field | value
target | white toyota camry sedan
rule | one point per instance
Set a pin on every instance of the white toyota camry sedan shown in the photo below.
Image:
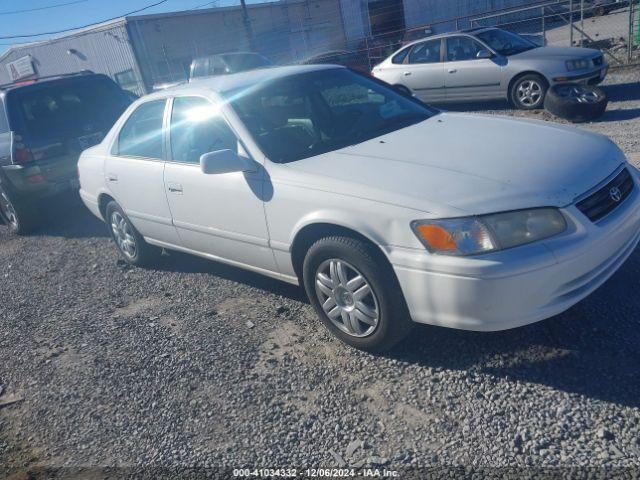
(387, 211)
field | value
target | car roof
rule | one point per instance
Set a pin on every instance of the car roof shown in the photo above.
(469, 32)
(30, 82)
(241, 80)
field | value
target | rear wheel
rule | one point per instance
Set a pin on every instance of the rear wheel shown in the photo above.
(528, 92)
(130, 243)
(355, 294)
(19, 217)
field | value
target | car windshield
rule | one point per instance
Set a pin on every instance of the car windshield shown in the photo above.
(239, 62)
(505, 43)
(316, 112)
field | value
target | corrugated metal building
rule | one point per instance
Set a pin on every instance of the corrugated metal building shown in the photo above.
(142, 51)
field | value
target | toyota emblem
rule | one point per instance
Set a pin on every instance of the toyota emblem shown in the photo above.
(615, 194)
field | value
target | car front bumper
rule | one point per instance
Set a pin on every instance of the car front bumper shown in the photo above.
(522, 285)
(591, 77)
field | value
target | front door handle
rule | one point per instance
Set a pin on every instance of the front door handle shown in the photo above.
(452, 70)
(406, 74)
(174, 187)
(112, 177)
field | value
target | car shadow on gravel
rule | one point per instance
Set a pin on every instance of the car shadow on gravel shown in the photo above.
(593, 349)
(66, 216)
(619, 115)
(185, 263)
(622, 92)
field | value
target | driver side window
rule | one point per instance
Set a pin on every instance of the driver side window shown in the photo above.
(197, 127)
(462, 48)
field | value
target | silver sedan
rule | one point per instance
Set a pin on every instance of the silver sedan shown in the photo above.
(488, 64)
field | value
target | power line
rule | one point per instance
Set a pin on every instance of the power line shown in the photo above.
(11, 12)
(8, 37)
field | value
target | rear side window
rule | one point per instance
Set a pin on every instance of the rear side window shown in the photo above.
(198, 128)
(67, 108)
(426, 52)
(4, 124)
(141, 135)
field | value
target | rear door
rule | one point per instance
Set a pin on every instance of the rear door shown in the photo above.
(466, 76)
(423, 72)
(135, 169)
(57, 120)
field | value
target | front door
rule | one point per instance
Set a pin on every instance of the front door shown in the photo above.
(466, 76)
(135, 171)
(220, 215)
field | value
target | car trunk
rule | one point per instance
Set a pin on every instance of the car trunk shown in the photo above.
(55, 121)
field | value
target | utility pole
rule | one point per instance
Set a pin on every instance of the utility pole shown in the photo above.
(247, 25)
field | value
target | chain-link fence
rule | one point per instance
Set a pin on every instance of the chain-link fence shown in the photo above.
(612, 26)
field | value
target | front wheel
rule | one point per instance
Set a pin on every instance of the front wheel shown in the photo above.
(130, 243)
(355, 294)
(528, 92)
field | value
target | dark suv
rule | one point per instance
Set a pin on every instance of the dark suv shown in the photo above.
(44, 126)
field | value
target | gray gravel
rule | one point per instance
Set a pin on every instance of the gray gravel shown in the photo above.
(196, 364)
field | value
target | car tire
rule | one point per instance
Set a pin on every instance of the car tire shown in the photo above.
(576, 103)
(528, 92)
(371, 311)
(131, 246)
(20, 218)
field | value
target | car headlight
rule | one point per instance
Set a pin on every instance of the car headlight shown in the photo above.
(488, 233)
(579, 64)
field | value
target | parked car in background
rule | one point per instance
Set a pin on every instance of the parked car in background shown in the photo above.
(604, 7)
(44, 125)
(355, 60)
(225, 63)
(385, 209)
(487, 64)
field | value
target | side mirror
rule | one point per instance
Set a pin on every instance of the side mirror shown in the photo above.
(224, 161)
(484, 54)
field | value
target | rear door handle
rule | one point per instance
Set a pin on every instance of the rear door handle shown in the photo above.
(406, 74)
(452, 70)
(174, 187)
(112, 177)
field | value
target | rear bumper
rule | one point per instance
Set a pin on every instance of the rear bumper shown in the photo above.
(522, 285)
(30, 181)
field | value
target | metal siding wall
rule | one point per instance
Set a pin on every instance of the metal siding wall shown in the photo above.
(423, 12)
(105, 51)
(283, 31)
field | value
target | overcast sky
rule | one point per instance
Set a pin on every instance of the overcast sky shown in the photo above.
(78, 13)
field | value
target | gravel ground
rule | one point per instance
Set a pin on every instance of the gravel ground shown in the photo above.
(195, 364)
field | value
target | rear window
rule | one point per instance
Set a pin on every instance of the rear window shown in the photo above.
(67, 108)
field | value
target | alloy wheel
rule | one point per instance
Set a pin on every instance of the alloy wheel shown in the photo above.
(529, 93)
(123, 235)
(8, 211)
(579, 94)
(347, 298)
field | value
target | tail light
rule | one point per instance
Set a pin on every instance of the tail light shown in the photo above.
(22, 155)
(19, 152)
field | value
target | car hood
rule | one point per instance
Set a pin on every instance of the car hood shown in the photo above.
(458, 164)
(558, 52)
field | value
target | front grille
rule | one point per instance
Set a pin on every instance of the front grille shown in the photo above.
(597, 62)
(602, 203)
